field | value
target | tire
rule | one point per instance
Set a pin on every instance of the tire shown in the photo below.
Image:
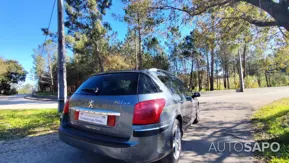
(176, 144)
(197, 119)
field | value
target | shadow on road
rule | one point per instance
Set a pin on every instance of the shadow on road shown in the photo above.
(214, 147)
(221, 123)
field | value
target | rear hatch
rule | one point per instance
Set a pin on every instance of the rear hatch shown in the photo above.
(104, 104)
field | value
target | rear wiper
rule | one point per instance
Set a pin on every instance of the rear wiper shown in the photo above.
(90, 90)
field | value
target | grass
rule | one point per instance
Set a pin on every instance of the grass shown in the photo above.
(271, 123)
(29, 122)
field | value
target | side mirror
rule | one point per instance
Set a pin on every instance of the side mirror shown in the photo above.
(196, 94)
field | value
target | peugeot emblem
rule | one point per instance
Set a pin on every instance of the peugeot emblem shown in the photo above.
(96, 90)
(90, 104)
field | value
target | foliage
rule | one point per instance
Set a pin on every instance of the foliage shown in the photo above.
(142, 20)
(251, 82)
(271, 124)
(206, 58)
(12, 73)
(276, 13)
(26, 122)
(25, 89)
(44, 66)
(86, 29)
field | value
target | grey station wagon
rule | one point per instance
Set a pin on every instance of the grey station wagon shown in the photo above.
(135, 116)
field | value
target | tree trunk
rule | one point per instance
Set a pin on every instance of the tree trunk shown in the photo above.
(219, 78)
(184, 65)
(176, 65)
(136, 56)
(267, 82)
(98, 57)
(212, 70)
(200, 80)
(199, 74)
(241, 74)
(139, 44)
(208, 71)
(234, 67)
(259, 81)
(191, 75)
(244, 60)
(228, 80)
(224, 79)
(100, 62)
(212, 56)
(50, 73)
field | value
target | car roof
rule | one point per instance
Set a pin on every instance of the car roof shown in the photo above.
(128, 71)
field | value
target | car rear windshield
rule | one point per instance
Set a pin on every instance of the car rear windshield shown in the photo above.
(110, 84)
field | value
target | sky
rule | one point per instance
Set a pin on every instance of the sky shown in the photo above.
(21, 23)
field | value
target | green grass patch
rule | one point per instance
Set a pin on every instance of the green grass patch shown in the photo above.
(271, 124)
(20, 123)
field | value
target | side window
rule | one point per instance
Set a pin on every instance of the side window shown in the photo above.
(183, 88)
(166, 81)
(179, 86)
(147, 85)
(171, 83)
(175, 85)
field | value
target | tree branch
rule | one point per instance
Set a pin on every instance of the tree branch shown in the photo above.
(279, 11)
(258, 23)
(192, 11)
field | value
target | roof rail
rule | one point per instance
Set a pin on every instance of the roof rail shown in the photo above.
(160, 70)
(153, 69)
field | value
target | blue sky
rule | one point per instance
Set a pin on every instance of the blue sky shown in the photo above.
(21, 21)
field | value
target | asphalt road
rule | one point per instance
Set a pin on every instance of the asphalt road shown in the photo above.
(19, 102)
(225, 118)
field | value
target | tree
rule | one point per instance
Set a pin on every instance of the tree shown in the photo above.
(154, 55)
(278, 11)
(13, 74)
(142, 20)
(86, 29)
(173, 40)
(44, 61)
(50, 49)
(189, 51)
(3, 69)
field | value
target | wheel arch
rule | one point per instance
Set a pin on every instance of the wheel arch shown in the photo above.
(180, 119)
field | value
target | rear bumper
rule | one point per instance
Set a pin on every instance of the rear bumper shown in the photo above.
(147, 147)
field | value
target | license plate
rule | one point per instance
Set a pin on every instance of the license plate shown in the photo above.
(93, 118)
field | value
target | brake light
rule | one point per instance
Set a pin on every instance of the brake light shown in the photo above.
(148, 112)
(111, 120)
(76, 115)
(66, 107)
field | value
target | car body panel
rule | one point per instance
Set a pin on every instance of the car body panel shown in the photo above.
(125, 141)
(106, 104)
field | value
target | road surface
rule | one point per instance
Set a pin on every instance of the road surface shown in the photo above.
(19, 102)
(225, 118)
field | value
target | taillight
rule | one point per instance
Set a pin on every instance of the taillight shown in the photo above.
(66, 107)
(148, 112)
(111, 120)
(76, 115)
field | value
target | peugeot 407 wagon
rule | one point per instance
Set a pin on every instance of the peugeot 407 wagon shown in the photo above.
(135, 116)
